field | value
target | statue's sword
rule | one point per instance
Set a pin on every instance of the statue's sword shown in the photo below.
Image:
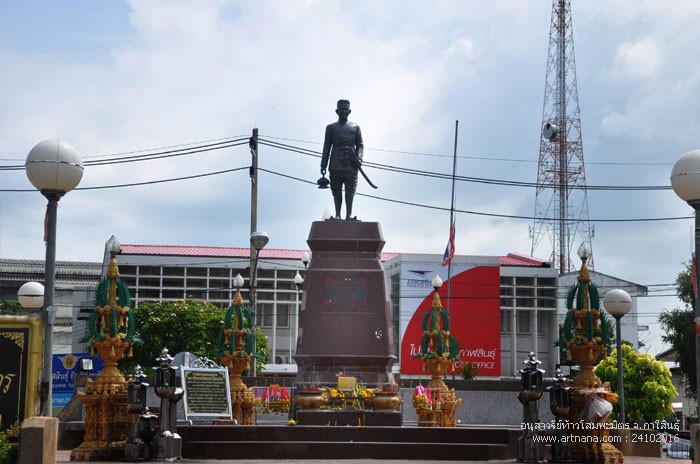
(359, 168)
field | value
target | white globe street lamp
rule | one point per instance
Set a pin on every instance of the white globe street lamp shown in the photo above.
(31, 296)
(54, 168)
(617, 302)
(685, 179)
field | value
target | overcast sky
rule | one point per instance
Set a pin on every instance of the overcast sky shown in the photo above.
(118, 77)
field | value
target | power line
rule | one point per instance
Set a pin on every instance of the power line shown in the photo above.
(481, 180)
(479, 158)
(391, 168)
(153, 156)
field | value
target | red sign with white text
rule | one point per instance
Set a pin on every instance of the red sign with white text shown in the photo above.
(474, 307)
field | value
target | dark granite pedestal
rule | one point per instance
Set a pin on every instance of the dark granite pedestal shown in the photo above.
(345, 321)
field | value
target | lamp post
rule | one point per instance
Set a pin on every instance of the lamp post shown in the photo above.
(258, 240)
(54, 168)
(298, 282)
(685, 179)
(618, 303)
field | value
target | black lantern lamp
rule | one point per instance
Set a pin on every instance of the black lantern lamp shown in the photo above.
(560, 405)
(559, 395)
(138, 446)
(531, 375)
(167, 444)
(165, 374)
(137, 392)
(530, 449)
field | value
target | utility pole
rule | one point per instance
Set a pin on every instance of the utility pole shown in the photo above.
(253, 144)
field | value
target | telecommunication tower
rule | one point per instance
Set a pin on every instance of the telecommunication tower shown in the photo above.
(561, 206)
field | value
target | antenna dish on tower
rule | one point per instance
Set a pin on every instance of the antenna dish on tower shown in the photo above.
(549, 131)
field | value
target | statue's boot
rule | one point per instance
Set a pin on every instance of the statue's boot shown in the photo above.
(338, 200)
(348, 207)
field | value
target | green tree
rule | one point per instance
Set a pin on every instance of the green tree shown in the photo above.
(188, 325)
(678, 328)
(10, 307)
(262, 347)
(649, 391)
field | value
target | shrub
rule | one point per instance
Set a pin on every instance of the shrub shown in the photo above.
(8, 451)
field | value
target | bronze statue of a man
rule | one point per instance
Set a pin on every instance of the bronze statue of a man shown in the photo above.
(342, 154)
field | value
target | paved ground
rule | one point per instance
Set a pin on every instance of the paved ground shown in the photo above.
(64, 456)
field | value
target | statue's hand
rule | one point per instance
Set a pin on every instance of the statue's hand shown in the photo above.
(323, 171)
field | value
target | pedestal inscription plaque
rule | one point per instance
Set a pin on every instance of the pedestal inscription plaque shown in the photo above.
(345, 322)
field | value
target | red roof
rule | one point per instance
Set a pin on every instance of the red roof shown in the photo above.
(209, 251)
(517, 259)
(512, 259)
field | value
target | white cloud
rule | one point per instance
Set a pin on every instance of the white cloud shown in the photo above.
(637, 60)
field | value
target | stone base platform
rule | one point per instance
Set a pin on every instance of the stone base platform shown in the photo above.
(323, 442)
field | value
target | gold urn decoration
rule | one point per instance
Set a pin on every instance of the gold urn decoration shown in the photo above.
(585, 335)
(111, 333)
(439, 350)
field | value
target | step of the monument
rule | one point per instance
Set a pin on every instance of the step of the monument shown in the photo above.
(324, 442)
(347, 433)
(345, 450)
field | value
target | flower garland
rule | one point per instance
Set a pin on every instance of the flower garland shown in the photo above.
(272, 400)
(422, 400)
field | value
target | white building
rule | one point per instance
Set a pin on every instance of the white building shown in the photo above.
(521, 291)
(502, 307)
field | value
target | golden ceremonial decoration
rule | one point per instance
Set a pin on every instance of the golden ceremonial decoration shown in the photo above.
(585, 335)
(111, 334)
(235, 352)
(437, 404)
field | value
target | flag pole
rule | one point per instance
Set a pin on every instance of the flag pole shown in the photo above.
(452, 219)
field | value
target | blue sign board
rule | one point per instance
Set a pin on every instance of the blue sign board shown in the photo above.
(65, 368)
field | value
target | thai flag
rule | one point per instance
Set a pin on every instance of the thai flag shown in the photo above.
(450, 248)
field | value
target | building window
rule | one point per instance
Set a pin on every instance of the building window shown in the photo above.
(196, 272)
(525, 281)
(149, 281)
(268, 315)
(218, 272)
(286, 296)
(265, 310)
(283, 315)
(523, 322)
(173, 271)
(194, 294)
(149, 270)
(149, 294)
(540, 323)
(216, 295)
(172, 294)
(505, 322)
